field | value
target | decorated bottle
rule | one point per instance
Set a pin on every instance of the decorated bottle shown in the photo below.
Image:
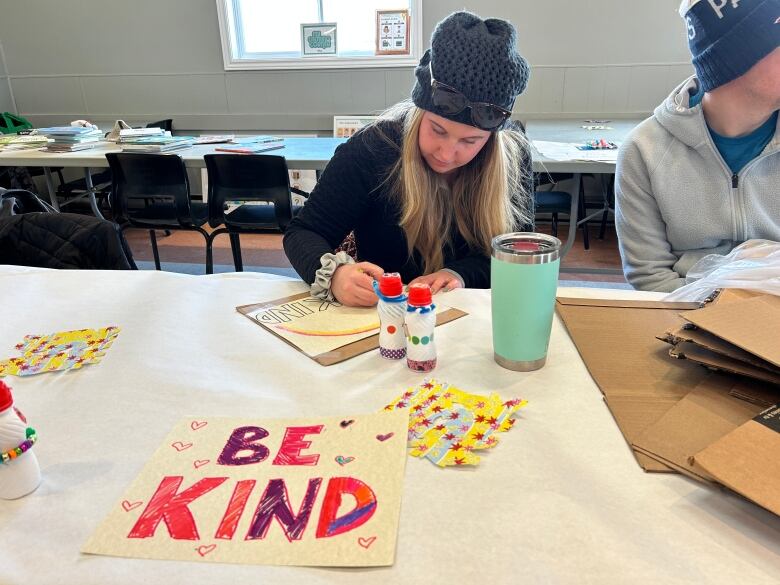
(392, 312)
(19, 471)
(420, 323)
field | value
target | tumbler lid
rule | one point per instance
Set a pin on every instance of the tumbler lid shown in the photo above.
(420, 295)
(390, 284)
(526, 248)
(6, 400)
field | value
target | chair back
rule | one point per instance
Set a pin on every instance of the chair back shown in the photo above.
(63, 240)
(249, 178)
(141, 177)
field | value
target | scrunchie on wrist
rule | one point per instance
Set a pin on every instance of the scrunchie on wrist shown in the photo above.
(320, 288)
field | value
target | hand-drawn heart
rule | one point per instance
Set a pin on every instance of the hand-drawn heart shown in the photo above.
(384, 437)
(205, 549)
(341, 460)
(127, 506)
(345, 423)
(366, 542)
(200, 462)
(179, 446)
(198, 424)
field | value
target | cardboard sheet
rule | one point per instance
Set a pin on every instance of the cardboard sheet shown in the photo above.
(704, 415)
(616, 340)
(274, 492)
(751, 324)
(688, 350)
(345, 333)
(746, 459)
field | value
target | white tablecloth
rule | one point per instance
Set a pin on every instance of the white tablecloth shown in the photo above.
(560, 500)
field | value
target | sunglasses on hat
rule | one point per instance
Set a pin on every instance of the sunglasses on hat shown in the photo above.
(449, 101)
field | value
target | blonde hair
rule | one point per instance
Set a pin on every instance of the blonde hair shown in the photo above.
(488, 196)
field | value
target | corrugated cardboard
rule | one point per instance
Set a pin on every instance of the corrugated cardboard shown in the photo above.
(347, 351)
(704, 356)
(616, 340)
(714, 343)
(674, 412)
(746, 459)
(704, 415)
(751, 324)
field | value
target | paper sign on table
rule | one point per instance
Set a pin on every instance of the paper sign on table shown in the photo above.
(447, 425)
(324, 492)
(67, 350)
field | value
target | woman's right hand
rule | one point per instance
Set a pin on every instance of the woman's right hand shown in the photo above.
(353, 284)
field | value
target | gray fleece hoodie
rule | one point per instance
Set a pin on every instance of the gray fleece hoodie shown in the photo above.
(678, 201)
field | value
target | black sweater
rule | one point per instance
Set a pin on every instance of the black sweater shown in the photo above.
(352, 195)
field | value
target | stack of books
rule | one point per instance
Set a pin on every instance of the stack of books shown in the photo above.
(71, 138)
(252, 144)
(23, 142)
(152, 140)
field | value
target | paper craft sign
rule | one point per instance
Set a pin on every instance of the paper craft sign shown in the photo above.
(323, 492)
(68, 350)
(447, 425)
(316, 326)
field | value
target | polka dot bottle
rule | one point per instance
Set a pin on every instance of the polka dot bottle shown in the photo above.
(420, 323)
(392, 310)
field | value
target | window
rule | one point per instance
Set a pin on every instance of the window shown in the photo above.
(266, 34)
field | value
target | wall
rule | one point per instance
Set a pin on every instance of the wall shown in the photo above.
(153, 59)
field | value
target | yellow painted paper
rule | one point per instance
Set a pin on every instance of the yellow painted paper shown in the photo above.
(447, 425)
(317, 491)
(67, 350)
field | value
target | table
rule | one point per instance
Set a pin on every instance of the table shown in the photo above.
(309, 153)
(572, 131)
(560, 500)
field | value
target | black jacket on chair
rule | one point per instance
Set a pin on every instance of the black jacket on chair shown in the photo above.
(63, 240)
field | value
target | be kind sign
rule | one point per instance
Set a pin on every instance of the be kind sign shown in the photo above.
(294, 492)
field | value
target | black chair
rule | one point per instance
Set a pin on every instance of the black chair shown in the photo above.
(553, 202)
(101, 181)
(237, 183)
(152, 191)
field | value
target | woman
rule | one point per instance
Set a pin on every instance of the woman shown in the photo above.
(426, 187)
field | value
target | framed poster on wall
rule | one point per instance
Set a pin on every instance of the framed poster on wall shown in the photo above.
(318, 38)
(392, 32)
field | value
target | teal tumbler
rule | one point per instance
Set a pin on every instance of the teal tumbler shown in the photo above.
(523, 281)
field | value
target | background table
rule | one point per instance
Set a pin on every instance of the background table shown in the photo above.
(559, 500)
(572, 131)
(301, 153)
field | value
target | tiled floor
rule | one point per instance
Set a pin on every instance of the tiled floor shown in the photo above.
(185, 247)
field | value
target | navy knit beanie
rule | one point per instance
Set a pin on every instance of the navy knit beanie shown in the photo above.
(477, 57)
(728, 37)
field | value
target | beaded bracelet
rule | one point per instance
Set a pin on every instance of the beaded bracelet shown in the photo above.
(24, 446)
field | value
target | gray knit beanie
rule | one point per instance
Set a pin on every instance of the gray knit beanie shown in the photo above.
(477, 57)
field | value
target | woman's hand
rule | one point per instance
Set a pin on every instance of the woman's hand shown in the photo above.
(439, 281)
(353, 284)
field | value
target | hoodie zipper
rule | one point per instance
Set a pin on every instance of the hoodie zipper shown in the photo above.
(739, 209)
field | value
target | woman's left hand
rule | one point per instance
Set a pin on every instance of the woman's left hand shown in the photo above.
(439, 281)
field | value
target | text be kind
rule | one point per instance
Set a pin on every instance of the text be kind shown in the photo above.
(170, 502)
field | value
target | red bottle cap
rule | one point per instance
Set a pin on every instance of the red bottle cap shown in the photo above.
(390, 284)
(420, 295)
(6, 400)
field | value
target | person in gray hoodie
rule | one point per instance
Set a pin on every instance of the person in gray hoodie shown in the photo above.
(702, 175)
